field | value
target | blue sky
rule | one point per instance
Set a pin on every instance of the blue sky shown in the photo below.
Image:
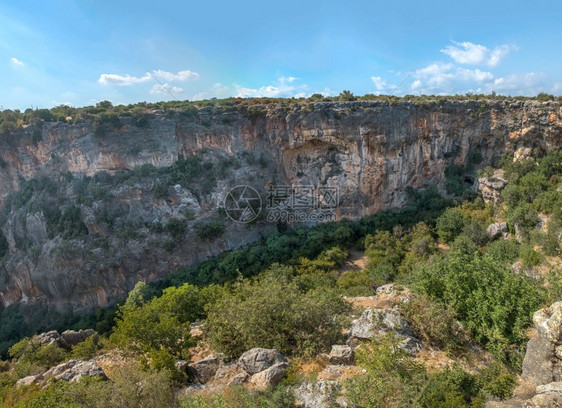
(81, 52)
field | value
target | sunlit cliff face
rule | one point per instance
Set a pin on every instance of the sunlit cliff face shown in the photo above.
(370, 151)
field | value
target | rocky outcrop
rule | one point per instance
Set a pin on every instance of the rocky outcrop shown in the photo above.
(67, 339)
(259, 359)
(370, 151)
(70, 371)
(321, 394)
(491, 186)
(205, 369)
(542, 365)
(271, 376)
(341, 354)
(497, 229)
(376, 323)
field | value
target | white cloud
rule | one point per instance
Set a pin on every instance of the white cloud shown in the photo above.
(380, 84)
(16, 62)
(128, 80)
(181, 76)
(447, 78)
(284, 87)
(475, 54)
(165, 89)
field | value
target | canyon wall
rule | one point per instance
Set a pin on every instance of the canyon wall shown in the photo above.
(370, 151)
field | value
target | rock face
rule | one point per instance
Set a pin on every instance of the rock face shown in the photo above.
(496, 229)
(67, 339)
(271, 376)
(542, 365)
(71, 371)
(371, 151)
(490, 187)
(316, 395)
(205, 369)
(341, 354)
(376, 323)
(259, 359)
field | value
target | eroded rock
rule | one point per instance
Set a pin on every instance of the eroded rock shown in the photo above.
(271, 376)
(259, 359)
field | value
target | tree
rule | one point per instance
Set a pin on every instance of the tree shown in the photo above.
(346, 96)
(271, 312)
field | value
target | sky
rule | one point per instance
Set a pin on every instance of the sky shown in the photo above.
(81, 52)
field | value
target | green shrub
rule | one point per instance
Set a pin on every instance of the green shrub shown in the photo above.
(450, 224)
(238, 397)
(213, 229)
(271, 312)
(435, 325)
(492, 302)
(392, 379)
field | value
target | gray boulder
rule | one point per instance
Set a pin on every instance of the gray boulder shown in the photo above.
(376, 323)
(75, 370)
(316, 395)
(50, 337)
(30, 379)
(271, 376)
(239, 379)
(538, 362)
(204, 370)
(496, 229)
(341, 354)
(72, 337)
(258, 359)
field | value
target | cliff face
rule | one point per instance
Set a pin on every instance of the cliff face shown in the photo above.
(370, 151)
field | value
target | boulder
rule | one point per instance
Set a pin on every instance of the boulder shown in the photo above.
(50, 337)
(341, 354)
(496, 229)
(204, 370)
(548, 322)
(30, 379)
(271, 376)
(259, 359)
(239, 379)
(316, 395)
(376, 323)
(537, 364)
(72, 337)
(182, 366)
(75, 370)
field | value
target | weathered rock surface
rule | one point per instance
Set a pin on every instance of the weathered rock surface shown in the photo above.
(259, 359)
(205, 369)
(271, 376)
(371, 151)
(72, 337)
(496, 229)
(490, 187)
(376, 323)
(75, 370)
(341, 354)
(316, 395)
(542, 368)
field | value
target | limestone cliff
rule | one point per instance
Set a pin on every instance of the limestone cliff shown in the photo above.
(370, 151)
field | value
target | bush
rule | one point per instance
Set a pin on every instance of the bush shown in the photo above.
(238, 397)
(434, 324)
(392, 379)
(450, 224)
(271, 312)
(493, 303)
(211, 230)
